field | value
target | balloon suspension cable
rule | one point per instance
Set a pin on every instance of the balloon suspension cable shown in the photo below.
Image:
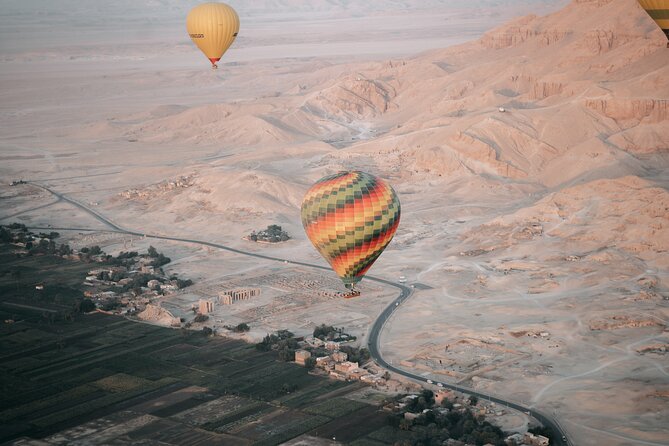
(214, 66)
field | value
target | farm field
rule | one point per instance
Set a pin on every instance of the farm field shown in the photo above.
(101, 379)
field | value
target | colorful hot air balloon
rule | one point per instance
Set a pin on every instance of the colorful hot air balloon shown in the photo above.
(350, 217)
(658, 10)
(213, 27)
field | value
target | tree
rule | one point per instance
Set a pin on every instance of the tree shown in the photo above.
(310, 363)
(16, 275)
(201, 318)
(207, 331)
(183, 283)
(86, 306)
(5, 235)
(405, 424)
(447, 404)
(241, 328)
(20, 226)
(323, 331)
(95, 250)
(287, 355)
(473, 400)
(152, 252)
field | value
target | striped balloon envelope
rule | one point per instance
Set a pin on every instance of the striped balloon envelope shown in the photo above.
(350, 217)
(658, 10)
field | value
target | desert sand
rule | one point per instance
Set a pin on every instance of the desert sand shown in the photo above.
(530, 155)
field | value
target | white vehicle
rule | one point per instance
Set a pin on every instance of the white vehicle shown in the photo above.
(402, 279)
(440, 385)
(397, 303)
(429, 381)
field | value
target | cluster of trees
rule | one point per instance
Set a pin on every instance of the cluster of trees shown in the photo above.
(283, 342)
(51, 235)
(182, 283)
(94, 250)
(331, 333)
(201, 318)
(239, 328)
(35, 244)
(5, 235)
(123, 259)
(326, 332)
(355, 354)
(273, 234)
(159, 259)
(84, 306)
(433, 427)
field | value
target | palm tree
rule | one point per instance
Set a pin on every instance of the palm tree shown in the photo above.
(16, 274)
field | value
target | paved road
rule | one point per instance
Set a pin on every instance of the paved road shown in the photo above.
(377, 326)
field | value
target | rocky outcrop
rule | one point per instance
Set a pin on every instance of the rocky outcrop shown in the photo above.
(648, 110)
(521, 31)
(542, 90)
(477, 151)
(354, 98)
(619, 322)
(159, 316)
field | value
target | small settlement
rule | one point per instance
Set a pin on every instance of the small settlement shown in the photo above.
(129, 287)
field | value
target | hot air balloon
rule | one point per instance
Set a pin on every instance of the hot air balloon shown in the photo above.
(213, 27)
(350, 217)
(658, 10)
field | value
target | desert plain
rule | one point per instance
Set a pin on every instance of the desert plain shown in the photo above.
(528, 143)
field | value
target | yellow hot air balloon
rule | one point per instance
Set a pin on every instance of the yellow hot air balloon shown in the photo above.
(658, 10)
(213, 27)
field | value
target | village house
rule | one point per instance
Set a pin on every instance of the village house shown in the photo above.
(301, 356)
(536, 440)
(346, 366)
(332, 345)
(442, 394)
(338, 375)
(325, 363)
(357, 374)
(515, 440)
(339, 356)
(314, 342)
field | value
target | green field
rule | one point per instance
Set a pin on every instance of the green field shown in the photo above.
(129, 382)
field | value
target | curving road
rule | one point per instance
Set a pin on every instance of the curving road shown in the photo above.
(374, 333)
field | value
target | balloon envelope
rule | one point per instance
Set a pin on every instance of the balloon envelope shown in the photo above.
(350, 217)
(213, 27)
(658, 10)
